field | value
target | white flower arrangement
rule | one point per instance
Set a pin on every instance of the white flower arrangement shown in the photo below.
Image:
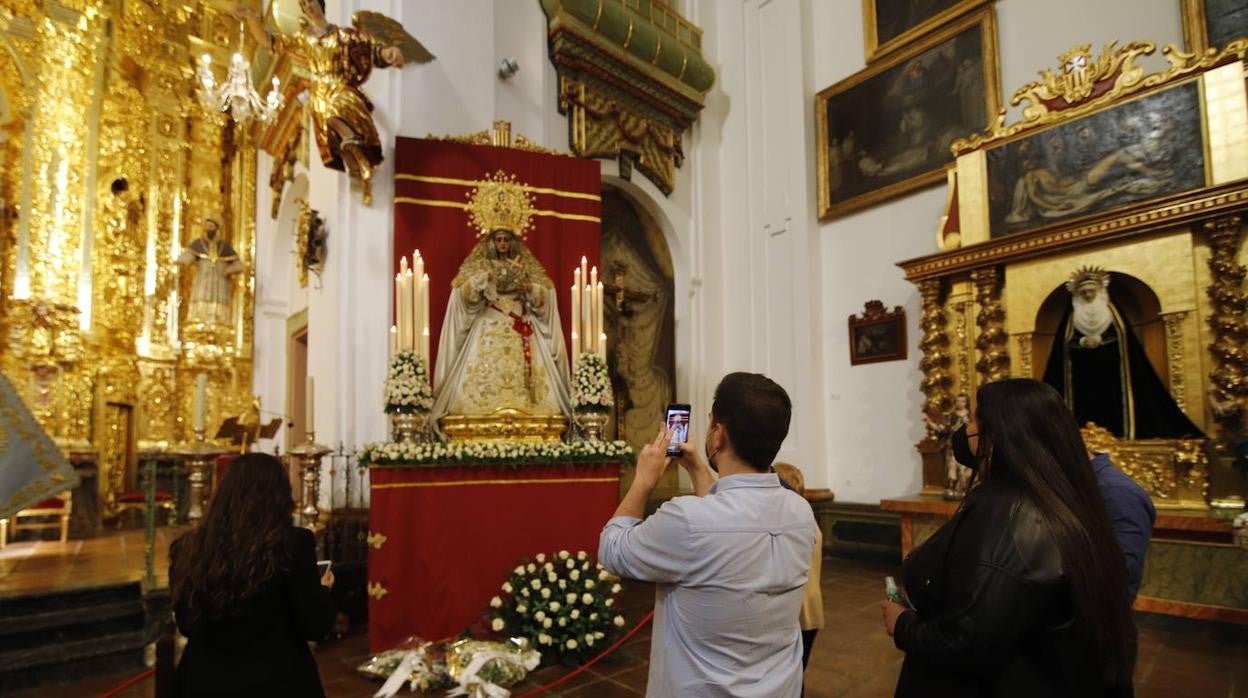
(412, 453)
(407, 384)
(569, 629)
(591, 384)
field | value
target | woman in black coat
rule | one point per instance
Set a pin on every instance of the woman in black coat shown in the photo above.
(1023, 592)
(247, 593)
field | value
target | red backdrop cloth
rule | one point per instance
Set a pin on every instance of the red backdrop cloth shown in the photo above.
(454, 533)
(433, 179)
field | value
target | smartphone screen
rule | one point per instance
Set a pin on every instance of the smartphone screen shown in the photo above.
(678, 424)
(322, 566)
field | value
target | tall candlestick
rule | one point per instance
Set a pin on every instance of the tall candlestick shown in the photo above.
(584, 269)
(598, 326)
(576, 314)
(394, 340)
(587, 323)
(309, 412)
(398, 309)
(409, 337)
(424, 313)
(424, 345)
(201, 395)
(418, 307)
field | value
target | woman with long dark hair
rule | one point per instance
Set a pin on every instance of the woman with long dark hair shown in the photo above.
(247, 593)
(1024, 591)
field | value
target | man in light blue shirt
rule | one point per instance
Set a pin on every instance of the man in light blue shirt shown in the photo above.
(730, 564)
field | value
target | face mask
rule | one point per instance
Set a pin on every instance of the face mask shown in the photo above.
(710, 455)
(961, 445)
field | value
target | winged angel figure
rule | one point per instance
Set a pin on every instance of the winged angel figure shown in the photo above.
(340, 60)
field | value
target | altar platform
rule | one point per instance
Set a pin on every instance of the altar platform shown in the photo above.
(443, 538)
(1193, 569)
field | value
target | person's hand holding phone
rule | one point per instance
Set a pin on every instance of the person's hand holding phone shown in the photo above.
(325, 567)
(653, 459)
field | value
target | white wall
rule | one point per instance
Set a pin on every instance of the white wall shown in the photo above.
(872, 413)
(761, 285)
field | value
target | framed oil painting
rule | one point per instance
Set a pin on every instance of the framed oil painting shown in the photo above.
(888, 129)
(877, 335)
(892, 24)
(1213, 23)
(1146, 148)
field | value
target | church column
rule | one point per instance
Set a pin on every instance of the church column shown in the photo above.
(1230, 329)
(992, 342)
(936, 380)
(934, 345)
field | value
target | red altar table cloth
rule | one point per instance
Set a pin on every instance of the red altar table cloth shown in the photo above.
(454, 533)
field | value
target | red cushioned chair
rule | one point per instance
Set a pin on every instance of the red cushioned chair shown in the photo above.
(135, 501)
(59, 506)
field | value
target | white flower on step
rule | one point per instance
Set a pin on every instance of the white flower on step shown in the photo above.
(618, 621)
(498, 625)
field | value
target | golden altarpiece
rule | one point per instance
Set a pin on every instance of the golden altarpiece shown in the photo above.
(1095, 177)
(111, 171)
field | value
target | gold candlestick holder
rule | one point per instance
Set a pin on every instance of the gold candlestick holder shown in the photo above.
(307, 457)
(198, 457)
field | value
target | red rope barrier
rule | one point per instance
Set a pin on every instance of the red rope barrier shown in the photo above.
(128, 683)
(641, 624)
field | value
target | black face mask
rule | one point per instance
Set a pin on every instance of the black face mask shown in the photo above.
(961, 445)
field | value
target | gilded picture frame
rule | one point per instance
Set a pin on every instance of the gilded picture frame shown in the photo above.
(1201, 31)
(893, 123)
(877, 334)
(903, 21)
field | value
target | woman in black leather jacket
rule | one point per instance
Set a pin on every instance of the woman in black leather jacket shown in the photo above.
(1023, 592)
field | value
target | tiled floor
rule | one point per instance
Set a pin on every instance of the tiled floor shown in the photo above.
(853, 657)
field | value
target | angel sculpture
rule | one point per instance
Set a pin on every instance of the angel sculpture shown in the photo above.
(340, 60)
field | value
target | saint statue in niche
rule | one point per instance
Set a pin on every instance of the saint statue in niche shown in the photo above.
(502, 341)
(1100, 367)
(214, 261)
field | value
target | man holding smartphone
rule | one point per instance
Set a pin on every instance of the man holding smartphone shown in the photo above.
(731, 562)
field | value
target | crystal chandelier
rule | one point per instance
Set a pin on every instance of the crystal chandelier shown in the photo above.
(237, 95)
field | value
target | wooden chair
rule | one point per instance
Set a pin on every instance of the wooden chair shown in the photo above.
(60, 506)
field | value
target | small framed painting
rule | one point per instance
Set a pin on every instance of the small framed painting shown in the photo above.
(877, 335)
(1213, 23)
(893, 24)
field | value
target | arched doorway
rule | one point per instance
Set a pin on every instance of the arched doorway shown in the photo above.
(640, 319)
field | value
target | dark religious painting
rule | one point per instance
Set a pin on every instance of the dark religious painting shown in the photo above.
(888, 129)
(1140, 150)
(1225, 20)
(891, 24)
(1214, 23)
(877, 334)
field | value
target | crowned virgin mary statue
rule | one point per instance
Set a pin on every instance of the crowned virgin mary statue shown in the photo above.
(502, 371)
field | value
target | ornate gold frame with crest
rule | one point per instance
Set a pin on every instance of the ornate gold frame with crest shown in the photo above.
(984, 21)
(876, 49)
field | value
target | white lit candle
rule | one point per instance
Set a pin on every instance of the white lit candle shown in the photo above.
(201, 395)
(424, 345)
(398, 309)
(587, 323)
(394, 340)
(309, 412)
(598, 326)
(576, 313)
(424, 314)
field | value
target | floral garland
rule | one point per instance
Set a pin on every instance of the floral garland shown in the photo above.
(564, 605)
(591, 384)
(409, 453)
(407, 385)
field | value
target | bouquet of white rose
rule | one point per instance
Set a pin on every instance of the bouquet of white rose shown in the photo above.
(591, 384)
(407, 385)
(564, 604)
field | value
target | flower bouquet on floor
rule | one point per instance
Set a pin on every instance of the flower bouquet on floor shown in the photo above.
(409, 396)
(564, 604)
(591, 395)
(420, 664)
